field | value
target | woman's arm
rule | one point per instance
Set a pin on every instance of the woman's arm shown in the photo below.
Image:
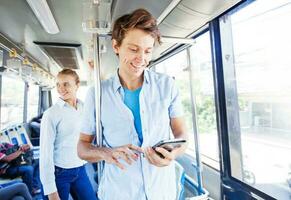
(46, 160)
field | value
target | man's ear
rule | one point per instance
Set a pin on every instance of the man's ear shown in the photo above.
(115, 46)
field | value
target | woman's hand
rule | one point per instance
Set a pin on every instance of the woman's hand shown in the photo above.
(155, 159)
(128, 153)
(54, 196)
(24, 148)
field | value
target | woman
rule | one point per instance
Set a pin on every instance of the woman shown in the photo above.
(61, 170)
(138, 108)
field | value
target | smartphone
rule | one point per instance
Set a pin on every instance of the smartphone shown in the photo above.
(171, 144)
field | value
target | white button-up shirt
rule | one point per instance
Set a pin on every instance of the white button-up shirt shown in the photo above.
(59, 135)
(159, 101)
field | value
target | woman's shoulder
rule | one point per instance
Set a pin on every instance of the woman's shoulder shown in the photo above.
(52, 111)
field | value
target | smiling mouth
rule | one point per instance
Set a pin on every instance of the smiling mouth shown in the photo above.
(63, 94)
(137, 67)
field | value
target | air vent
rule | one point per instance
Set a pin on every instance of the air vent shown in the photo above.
(66, 55)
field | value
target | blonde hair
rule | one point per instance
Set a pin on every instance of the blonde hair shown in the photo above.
(71, 73)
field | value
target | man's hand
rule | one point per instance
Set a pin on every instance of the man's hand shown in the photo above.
(128, 153)
(157, 160)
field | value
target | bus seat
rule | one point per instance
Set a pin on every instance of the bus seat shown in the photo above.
(26, 140)
(17, 135)
(4, 137)
(13, 136)
(23, 135)
(180, 180)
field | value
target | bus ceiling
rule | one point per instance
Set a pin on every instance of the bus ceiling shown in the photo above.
(62, 36)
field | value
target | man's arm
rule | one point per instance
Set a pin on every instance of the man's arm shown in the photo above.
(87, 151)
(179, 131)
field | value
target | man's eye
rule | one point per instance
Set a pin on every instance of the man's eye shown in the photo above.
(133, 50)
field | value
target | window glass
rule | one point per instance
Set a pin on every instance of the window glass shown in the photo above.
(32, 101)
(12, 101)
(55, 95)
(176, 67)
(82, 92)
(203, 92)
(259, 86)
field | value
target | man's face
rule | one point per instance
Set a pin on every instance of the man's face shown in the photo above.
(135, 52)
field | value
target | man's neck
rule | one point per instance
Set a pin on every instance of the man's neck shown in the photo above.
(129, 82)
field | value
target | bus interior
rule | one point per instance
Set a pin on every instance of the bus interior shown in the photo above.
(230, 60)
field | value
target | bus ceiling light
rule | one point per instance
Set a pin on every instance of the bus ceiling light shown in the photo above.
(44, 15)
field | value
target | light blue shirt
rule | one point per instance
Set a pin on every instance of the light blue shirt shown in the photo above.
(159, 101)
(59, 135)
(131, 100)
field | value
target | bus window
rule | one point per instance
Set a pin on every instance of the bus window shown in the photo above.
(258, 94)
(177, 67)
(32, 102)
(82, 92)
(55, 95)
(12, 101)
(203, 92)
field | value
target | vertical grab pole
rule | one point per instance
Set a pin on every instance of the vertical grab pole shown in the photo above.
(97, 81)
(195, 129)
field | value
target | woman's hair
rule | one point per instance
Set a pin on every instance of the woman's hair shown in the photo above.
(70, 73)
(138, 19)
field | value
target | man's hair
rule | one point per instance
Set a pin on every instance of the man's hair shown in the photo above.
(138, 19)
(71, 73)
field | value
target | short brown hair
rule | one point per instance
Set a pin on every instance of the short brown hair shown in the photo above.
(139, 19)
(71, 73)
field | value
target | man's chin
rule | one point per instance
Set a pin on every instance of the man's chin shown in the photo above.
(138, 71)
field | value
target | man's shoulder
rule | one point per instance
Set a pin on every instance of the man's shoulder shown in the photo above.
(159, 78)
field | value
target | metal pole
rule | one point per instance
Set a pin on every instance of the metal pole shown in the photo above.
(25, 102)
(0, 99)
(195, 129)
(97, 87)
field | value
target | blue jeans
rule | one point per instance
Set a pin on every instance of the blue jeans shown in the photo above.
(75, 180)
(28, 173)
(15, 191)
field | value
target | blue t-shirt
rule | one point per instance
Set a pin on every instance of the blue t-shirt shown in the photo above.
(131, 100)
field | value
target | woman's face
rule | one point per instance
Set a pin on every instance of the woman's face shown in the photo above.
(135, 52)
(67, 87)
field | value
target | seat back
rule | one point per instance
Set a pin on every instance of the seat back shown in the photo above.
(13, 136)
(180, 180)
(23, 135)
(4, 137)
